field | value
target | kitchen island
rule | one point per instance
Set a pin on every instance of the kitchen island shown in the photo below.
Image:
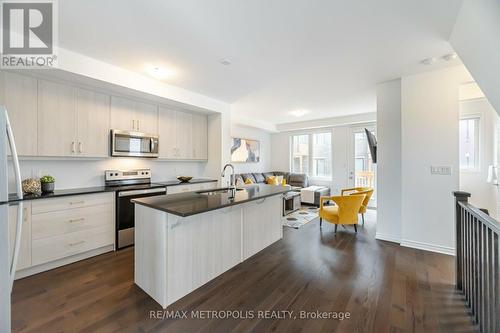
(182, 241)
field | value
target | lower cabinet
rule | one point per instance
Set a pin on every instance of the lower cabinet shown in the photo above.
(62, 230)
(190, 187)
(24, 258)
(261, 224)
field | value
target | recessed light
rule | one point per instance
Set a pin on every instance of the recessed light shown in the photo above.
(450, 57)
(429, 61)
(299, 113)
(225, 62)
(160, 73)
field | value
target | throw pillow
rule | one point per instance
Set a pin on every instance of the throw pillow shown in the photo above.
(248, 181)
(240, 182)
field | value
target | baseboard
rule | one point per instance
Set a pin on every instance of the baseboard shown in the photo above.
(387, 237)
(428, 247)
(62, 262)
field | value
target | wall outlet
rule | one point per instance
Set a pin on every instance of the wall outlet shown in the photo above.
(441, 170)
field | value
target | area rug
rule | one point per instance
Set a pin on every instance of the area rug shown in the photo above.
(300, 217)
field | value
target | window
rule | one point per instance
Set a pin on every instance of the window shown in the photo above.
(469, 143)
(312, 154)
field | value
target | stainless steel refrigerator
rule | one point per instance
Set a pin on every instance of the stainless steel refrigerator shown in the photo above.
(8, 252)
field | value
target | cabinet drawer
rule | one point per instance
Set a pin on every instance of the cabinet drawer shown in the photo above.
(57, 247)
(67, 221)
(70, 202)
(190, 187)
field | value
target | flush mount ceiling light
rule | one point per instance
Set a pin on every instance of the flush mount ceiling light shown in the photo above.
(429, 61)
(299, 113)
(450, 57)
(225, 62)
(160, 73)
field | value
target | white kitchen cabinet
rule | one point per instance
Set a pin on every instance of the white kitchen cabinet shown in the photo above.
(200, 137)
(261, 224)
(190, 187)
(168, 133)
(130, 115)
(93, 113)
(24, 258)
(183, 135)
(19, 95)
(56, 119)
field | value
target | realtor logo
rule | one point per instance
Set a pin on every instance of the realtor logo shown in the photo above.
(28, 34)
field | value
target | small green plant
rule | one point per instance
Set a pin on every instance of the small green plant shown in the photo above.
(47, 179)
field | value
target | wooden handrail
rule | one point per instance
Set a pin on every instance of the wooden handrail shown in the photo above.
(477, 262)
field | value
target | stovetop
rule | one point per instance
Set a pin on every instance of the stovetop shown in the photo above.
(134, 187)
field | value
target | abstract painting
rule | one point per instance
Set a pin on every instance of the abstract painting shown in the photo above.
(245, 150)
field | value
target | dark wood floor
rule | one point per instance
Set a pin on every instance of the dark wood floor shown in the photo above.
(384, 287)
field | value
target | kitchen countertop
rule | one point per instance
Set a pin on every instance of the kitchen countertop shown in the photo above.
(191, 203)
(97, 189)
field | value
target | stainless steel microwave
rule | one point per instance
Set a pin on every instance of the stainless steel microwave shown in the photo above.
(133, 144)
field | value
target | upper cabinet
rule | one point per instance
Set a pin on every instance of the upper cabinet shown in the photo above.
(130, 115)
(56, 119)
(93, 113)
(19, 95)
(183, 135)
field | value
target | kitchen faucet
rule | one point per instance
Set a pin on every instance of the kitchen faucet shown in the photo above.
(232, 182)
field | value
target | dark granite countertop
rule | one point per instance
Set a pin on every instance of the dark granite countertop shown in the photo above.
(98, 189)
(192, 203)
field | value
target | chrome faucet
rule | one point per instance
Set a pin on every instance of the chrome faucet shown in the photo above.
(232, 182)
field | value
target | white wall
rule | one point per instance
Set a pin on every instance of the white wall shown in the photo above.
(389, 161)
(475, 39)
(484, 195)
(246, 132)
(429, 128)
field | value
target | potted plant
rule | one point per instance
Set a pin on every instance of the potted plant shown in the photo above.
(47, 183)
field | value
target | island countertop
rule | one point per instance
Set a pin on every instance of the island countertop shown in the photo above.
(192, 203)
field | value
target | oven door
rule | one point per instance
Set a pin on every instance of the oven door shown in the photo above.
(133, 144)
(125, 213)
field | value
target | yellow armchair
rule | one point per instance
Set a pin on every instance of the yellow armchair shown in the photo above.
(345, 212)
(367, 191)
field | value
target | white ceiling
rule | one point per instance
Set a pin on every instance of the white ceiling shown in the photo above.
(324, 56)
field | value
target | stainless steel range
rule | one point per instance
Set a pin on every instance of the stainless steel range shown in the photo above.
(130, 184)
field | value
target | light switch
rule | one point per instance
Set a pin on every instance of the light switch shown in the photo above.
(441, 170)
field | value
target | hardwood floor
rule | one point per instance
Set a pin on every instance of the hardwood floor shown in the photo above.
(384, 288)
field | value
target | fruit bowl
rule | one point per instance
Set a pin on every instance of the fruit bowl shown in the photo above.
(184, 179)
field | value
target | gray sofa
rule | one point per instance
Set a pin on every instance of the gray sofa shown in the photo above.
(293, 179)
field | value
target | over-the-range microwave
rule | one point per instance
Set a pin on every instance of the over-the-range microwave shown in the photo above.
(133, 144)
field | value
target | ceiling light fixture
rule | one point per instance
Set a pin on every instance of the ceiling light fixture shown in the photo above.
(429, 61)
(299, 113)
(225, 62)
(450, 57)
(160, 73)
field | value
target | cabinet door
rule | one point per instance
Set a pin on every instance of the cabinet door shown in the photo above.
(168, 133)
(93, 112)
(24, 259)
(200, 137)
(56, 119)
(146, 116)
(19, 95)
(123, 114)
(184, 135)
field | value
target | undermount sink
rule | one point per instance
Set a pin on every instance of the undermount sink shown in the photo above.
(217, 191)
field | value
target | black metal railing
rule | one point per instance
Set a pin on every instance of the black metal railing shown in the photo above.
(477, 263)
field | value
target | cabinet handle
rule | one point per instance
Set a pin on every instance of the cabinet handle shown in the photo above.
(138, 125)
(77, 243)
(76, 220)
(25, 214)
(73, 146)
(77, 202)
(133, 124)
(80, 147)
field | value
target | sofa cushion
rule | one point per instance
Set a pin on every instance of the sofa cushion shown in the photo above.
(298, 179)
(268, 174)
(238, 180)
(259, 178)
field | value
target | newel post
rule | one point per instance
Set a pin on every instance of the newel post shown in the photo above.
(459, 197)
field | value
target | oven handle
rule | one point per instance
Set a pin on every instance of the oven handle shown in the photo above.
(139, 192)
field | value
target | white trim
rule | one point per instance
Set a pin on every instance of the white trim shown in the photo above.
(428, 247)
(388, 237)
(62, 262)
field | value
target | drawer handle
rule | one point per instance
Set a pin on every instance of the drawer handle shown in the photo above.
(76, 220)
(77, 202)
(77, 243)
